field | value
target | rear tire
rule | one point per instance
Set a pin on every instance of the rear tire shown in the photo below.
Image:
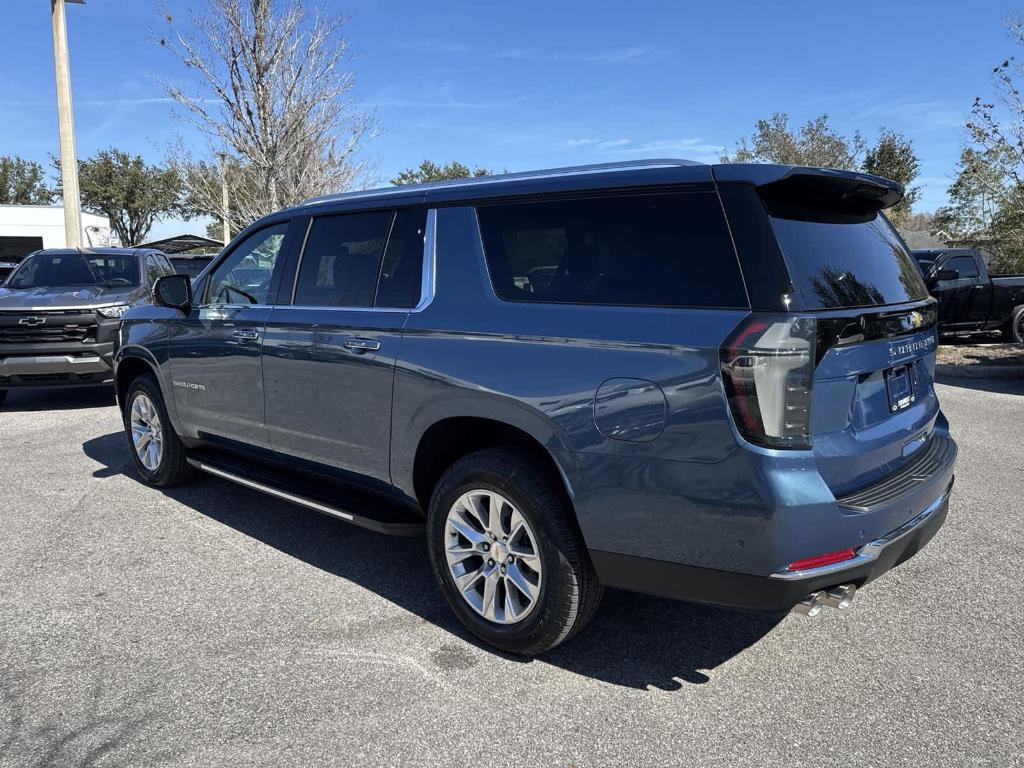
(1016, 330)
(160, 457)
(533, 542)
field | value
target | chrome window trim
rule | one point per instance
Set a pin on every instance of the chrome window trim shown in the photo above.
(870, 551)
(427, 282)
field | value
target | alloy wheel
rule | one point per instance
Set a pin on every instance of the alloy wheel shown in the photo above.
(147, 432)
(493, 556)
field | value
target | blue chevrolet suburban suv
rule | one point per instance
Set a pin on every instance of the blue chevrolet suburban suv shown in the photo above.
(712, 383)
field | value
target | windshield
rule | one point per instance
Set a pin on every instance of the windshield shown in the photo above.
(854, 261)
(47, 270)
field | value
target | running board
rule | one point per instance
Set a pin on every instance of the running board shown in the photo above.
(371, 519)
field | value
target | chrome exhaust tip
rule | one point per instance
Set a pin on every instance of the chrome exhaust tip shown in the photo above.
(811, 605)
(841, 597)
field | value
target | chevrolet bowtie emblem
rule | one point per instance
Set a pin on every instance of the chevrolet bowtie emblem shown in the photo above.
(913, 320)
(32, 321)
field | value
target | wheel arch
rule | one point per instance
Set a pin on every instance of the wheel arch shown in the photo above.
(449, 439)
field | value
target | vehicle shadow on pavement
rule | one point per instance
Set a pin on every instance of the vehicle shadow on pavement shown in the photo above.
(996, 386)
(24, 400)
(634, 640)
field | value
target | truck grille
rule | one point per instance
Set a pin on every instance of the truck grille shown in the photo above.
(60, 327)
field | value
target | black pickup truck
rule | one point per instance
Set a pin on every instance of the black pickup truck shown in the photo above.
(970, 299)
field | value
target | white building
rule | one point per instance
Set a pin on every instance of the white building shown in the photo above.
(27, 228)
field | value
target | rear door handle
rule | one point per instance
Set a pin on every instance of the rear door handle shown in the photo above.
(246, 334)
(362, 345)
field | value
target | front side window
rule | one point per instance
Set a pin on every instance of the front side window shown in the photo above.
(964, 266)
(244, 277)
(341, 262)
(154, 270)
(666, 250)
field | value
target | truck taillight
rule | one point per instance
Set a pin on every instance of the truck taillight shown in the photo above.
(768, 368)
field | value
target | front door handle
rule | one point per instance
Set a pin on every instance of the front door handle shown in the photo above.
(362, 345)
(246, 334)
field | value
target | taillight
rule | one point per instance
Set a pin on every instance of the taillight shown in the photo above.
(768, 368)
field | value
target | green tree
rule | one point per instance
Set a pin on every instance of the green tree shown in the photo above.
(130, 193)
(817, 143)
(22, 182)
(893, 157)
(429, 171)
(813, 143)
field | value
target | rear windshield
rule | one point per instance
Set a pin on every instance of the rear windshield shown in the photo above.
(44, 270)
(856, 261)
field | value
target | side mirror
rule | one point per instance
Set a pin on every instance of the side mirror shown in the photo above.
(174, 291)
(947, 274)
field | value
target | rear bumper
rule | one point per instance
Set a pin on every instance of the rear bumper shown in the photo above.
(779, 591)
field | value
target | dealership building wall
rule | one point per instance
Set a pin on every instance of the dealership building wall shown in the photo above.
(27, 228)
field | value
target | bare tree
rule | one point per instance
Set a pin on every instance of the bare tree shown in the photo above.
(986, 199)
(270, 89)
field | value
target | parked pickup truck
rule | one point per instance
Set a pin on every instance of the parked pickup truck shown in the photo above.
(711, 383)
(60, 310)
(970, 299)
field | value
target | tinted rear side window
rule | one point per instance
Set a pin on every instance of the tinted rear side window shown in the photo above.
(401, 274)
(846, 261)
(668, 250)
(341, 261)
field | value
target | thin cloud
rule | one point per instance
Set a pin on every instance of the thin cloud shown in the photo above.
(610, 56)
(694, 148)
(619, 55)
(599, 143)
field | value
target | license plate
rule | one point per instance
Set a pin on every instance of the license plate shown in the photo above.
(900, 385)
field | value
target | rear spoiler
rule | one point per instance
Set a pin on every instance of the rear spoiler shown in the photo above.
(846, 191)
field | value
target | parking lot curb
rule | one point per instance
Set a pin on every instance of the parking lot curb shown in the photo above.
(947, 371)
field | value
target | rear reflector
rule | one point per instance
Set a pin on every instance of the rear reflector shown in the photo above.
(819, 560)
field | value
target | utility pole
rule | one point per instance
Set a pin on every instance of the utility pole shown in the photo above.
(225, 211)
(65, 118)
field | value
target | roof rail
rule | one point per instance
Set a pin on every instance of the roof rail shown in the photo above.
(626, 165)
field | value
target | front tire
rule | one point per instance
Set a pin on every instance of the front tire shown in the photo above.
(506, 553)
(157, 451)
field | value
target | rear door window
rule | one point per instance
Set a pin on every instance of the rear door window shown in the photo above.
(666, 250)
(342, 259)
(837, 260)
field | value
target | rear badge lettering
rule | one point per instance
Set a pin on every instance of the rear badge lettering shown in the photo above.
(904, 348)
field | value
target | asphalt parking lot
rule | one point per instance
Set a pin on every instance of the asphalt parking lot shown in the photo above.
(211, 625)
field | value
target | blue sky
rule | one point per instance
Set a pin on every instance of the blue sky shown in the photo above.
(535, 84)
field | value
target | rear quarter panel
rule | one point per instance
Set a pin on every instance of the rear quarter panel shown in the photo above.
(538, 367)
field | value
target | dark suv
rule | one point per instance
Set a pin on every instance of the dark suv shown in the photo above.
(60, 309)
(712, 383)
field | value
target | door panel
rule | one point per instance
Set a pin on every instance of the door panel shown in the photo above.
(963, 301)
(214, 353)
(216, 372)
(329, 375)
